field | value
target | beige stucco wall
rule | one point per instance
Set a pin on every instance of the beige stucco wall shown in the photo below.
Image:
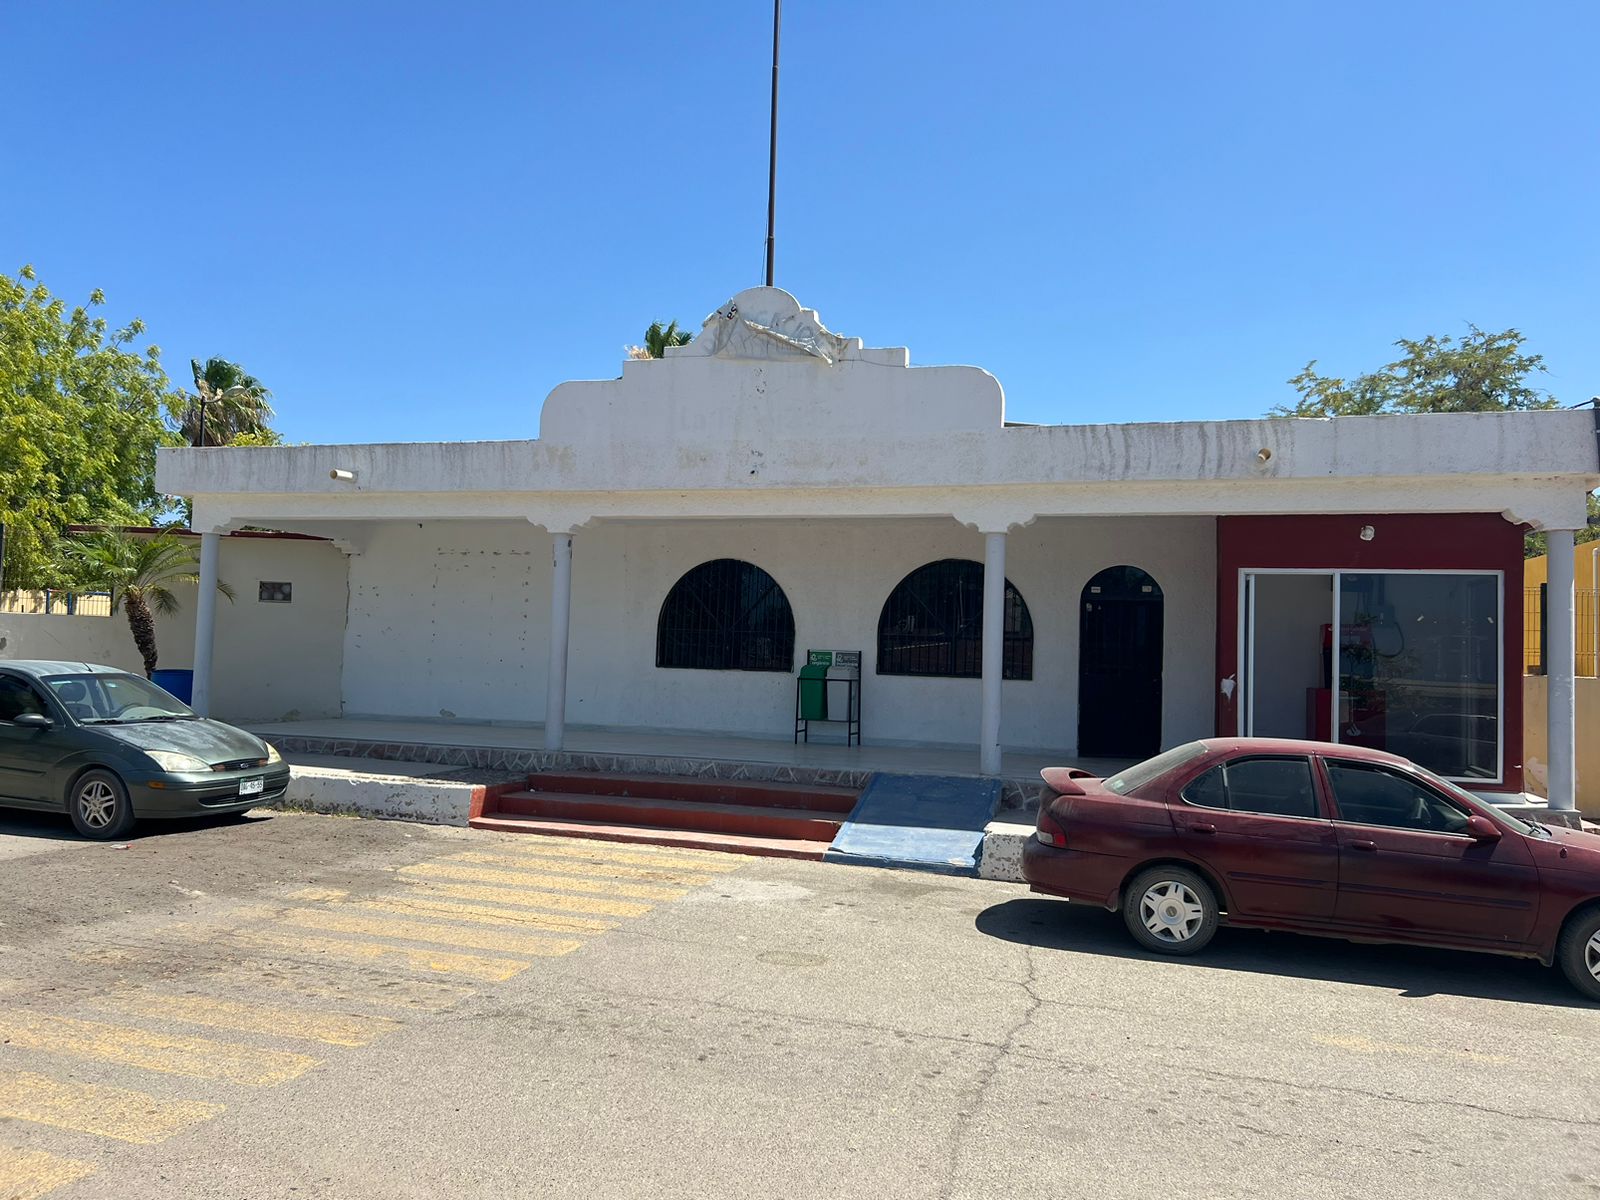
(1536, 740)
(273, 661)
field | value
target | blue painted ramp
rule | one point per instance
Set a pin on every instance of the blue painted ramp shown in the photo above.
(918, 822)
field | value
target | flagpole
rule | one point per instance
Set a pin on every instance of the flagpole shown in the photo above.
(772, 151)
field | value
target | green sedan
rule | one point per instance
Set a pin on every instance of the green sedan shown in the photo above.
(107, 747)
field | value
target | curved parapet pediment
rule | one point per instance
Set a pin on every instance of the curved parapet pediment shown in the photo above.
(766, 372)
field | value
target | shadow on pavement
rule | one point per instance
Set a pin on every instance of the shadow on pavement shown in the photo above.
(1411, 971)
(56, 827)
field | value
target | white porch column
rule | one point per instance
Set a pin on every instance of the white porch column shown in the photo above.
(205, 620)
(1562, 698)
(994, 629)
(555, 701)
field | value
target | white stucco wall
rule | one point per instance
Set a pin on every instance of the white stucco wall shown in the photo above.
(449, 619)
(272, 661)
(452, 619)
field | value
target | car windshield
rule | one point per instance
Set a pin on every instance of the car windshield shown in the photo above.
(1139, 774)
(106, 699)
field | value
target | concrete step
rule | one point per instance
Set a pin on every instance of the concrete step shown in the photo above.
(706, 791)
(762, 821)
(683, 839)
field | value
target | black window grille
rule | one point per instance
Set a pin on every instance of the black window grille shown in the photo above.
(726, 615)
(932, 624)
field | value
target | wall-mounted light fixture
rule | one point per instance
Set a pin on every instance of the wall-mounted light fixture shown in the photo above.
(342, 475)
(1368, 533)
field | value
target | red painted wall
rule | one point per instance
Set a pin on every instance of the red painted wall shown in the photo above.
(1443, 541)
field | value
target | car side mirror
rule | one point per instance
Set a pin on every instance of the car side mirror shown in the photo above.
(32, 721)
(1482, 829)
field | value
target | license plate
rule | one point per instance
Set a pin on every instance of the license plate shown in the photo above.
(251, 787)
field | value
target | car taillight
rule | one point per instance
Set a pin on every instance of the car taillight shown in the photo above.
(1050, 829)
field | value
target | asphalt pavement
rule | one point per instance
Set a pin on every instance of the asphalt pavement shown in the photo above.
(290, 1005)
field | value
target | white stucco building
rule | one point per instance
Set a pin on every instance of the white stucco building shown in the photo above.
(663, 555)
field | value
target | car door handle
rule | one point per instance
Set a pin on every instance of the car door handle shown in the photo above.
(1202, 827)
(1364, 845)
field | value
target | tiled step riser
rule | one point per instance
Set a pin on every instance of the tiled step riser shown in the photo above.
(702, 791)
(683, 840)
(641, 812)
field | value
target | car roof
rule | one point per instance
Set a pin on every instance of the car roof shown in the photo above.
(1258, 745)
(39, 668)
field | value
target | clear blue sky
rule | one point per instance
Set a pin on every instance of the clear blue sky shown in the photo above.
(412, 220)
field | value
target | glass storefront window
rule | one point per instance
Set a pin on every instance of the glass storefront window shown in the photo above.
(1419, 669)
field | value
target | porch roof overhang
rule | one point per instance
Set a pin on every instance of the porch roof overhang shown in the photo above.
(767, 413)
(1534, 467)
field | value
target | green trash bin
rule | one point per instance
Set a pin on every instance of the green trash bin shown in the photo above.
(814, 692)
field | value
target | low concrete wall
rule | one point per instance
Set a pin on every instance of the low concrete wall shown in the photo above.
(1001, 857)
(430, 801)
(1536, 740)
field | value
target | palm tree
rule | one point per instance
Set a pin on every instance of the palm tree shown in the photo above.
(657, 338)
(230, 405)
(139, 572)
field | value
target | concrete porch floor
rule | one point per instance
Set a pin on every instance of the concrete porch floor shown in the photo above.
(521, 747)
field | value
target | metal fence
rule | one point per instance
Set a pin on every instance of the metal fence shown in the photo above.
(1586, 632)
(53, 603)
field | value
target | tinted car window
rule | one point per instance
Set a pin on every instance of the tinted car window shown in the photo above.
(17, 698)
(1279, 787)
(1373, 795)
(1140, 774)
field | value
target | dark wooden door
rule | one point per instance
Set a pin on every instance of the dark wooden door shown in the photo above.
(1119, 665)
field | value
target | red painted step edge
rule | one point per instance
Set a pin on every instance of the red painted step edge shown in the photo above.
(749, 821)
(750, 792)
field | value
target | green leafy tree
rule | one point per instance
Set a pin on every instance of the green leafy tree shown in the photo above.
(657, 338)
(80, 420)
(231, 403)
(1482, 372)
(139, 571)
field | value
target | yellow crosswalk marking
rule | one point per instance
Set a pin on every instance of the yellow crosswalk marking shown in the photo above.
(420, 931)
(489, 970)
(423, 906)
(523, 897)
(603, 870)
(112, 1112)
(318, 982)
(562, 883)
(198, 1058)
(336, 1029)
(319, 893)
(634, 854)
(29, 1174)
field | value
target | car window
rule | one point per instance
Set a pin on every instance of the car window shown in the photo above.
(116, 699)
(1279, 787)
(1368, 794)
(16, 698)
(1140, 774)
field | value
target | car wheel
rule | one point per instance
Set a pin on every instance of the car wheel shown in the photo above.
(1171, 910)
(99, 806)
(1578, 952)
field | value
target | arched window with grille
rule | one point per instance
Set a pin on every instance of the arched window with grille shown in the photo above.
(932, 624)
(726, 615)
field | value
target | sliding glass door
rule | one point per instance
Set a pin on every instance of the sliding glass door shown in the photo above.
(1411, 662)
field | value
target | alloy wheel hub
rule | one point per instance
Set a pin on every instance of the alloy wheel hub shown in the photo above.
(97, 803)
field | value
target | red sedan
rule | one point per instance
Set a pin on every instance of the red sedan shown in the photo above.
(1315, 838)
